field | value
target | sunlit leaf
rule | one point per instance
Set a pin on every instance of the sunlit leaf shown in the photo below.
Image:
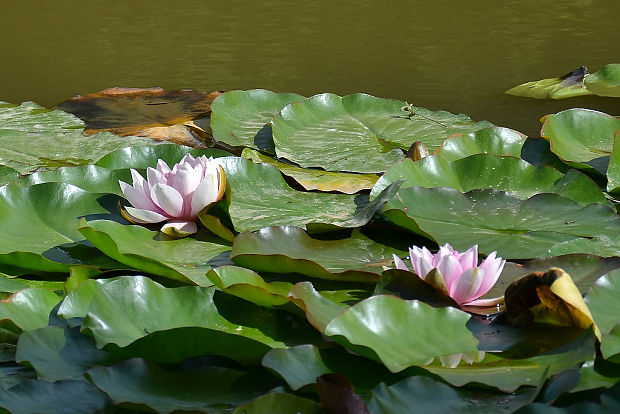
(317, 179)
(567, 86)
(186, 260)
(497, 221)
(508, 174)
(605, 81)
(492, 140)
(613, 170)
(359, 132)
(582, 137)
(287, 249)
(28, 309)
(242, 118)
(32, 137)
(370, 322)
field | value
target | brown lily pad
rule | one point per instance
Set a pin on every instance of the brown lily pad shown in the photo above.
(147, 112)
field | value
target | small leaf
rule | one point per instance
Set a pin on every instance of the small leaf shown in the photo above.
(566, 86)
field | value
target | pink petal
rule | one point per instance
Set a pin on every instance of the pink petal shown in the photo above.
(464, 288)
(155, 177)
(469, 259)
(492, 270)
(184, 179)
(399, 263)
(450, 269)
(421, 260)
(168, 199)
(146, 216)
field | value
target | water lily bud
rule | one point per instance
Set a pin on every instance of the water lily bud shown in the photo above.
(175, 195)
(464, 280)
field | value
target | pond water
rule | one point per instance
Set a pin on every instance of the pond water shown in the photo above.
(441, 54)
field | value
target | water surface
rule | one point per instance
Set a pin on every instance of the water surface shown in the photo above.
(441, 54)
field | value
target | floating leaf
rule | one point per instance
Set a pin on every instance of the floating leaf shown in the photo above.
(301, 365)
(602, 299)
(508, 174)
(32, 137)
(597, 374)
(60, 354)
(242, 118)
(359, 132)
(493, 140)
(60, 397)
(289, 249)
(613, 170)
(279, 403)
(141, 111)
(320, 311)
(248, 285)
(202, 389)
(260, 197)
(497, 221)
(369, 322)
(422, 394)
(582, 137)
(315, 179)
(550, 298)
(28, 309)
(605, 81)
(7, 175)
(197, 321)
(187, 260)
(566, 86)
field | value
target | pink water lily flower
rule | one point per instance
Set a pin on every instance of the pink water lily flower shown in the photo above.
(174, 195)
(465, 281)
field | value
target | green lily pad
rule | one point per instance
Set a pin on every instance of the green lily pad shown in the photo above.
(493, 140)
(301, 365)
(315, 179)
(242, 118)
(567, 86)
(143, 157)
(604, 304)
(534, 371)
(88, 177)
(605, 81)
(60, 397)
(203, 389)
(289, 249)
(369, 322)
(359, 132)
(7, 175)
(497, 221)
(196, 321)
(319, 310)
(281, 404)
(259, 197)
(187, 260)
(32, 137)
(28, 309)
(581, 137)
(613, 170)
(60, 354)
(35, 219)
(425, 395)
(597, 374)
(248, 285)
(508, 174)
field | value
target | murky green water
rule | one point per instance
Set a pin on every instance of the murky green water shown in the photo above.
(442, 54)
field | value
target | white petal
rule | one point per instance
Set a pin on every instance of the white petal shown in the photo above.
(179, 228)
(464, 288)
(475, 356)
(206, 193)
(399, 263)
(146, 216)
(137, 197)
(162, 167)
(168, 199)
(421, 260)
(450, 361)
(155, 177)
(185, 180)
